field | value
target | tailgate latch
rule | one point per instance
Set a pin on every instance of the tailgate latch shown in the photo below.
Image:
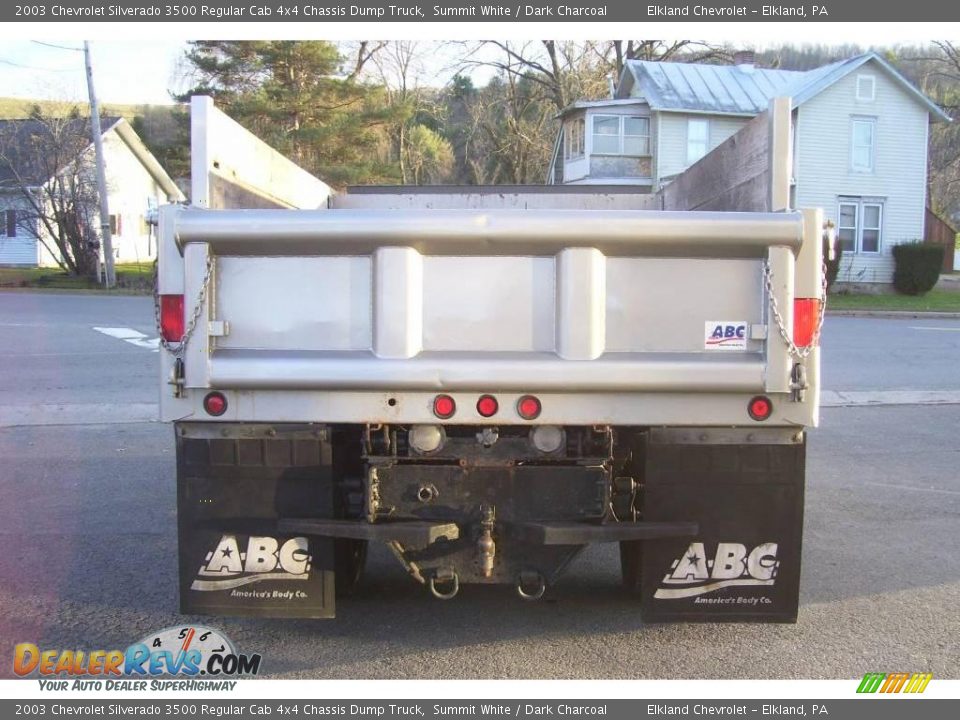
(176, 377)
(798, 382)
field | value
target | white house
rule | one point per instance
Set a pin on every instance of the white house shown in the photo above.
(860, 141)
(136, 184)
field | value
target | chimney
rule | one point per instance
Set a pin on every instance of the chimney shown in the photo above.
(744, 59)
(611, 86)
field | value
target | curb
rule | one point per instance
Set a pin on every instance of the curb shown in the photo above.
(896, 314)
(887, 398)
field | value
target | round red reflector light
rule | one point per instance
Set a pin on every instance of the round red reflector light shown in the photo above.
(760, 408)
(529, 407)
(215, 404)
(487, 405)
(444, 407)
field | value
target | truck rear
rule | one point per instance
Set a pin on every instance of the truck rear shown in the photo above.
(487, 391)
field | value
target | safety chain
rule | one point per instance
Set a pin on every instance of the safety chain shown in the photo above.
(178, 348)
(800, 354)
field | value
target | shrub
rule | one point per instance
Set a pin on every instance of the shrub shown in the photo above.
(917, 267)
(832, 266)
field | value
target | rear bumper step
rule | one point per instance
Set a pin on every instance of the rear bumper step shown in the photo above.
(420, 534)
(414, 533)
(578, 533)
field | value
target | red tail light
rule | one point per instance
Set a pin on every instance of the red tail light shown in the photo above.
(215, 404)
(760, 408)
(806, 312)
(529, 407)
(171, 317)
(444, 406)
(487, 405)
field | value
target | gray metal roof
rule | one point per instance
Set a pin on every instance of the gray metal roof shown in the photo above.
(731, 89)
(745, 89)
(614, 102)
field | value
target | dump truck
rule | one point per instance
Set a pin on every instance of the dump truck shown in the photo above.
(488, 380)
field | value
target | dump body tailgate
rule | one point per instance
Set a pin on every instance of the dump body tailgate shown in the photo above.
(558, 301)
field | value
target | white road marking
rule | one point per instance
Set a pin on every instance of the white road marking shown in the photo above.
(942, 329)
(78, 414)
(121, 333)
(134, 337)
(864, 398)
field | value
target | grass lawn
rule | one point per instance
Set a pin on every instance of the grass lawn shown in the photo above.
(130, 278)
(934, 301)
(20, 108)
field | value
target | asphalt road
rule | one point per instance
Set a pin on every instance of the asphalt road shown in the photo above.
(88, 527)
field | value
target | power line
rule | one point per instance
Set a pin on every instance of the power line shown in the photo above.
(58, 47)
(40, 69)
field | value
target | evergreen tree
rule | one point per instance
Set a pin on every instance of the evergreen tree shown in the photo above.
(295, 96)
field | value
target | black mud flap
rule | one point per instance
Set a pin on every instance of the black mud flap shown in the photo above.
(745, 490)
(234, 484)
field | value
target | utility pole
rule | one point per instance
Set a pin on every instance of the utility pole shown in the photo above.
(105, 237)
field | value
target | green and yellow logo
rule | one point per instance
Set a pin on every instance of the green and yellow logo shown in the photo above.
(894, 682)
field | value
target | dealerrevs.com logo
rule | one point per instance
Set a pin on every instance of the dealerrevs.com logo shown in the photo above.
(189, 652)
(696, 573)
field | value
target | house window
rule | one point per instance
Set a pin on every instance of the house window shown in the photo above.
(606, 134)
(870, 233)
(866, 87)
(10, 223)
(621, 135)
(636, 136)
(698, 139)
(116, 224)
(573, 140)
(859, 225)
(863, 144)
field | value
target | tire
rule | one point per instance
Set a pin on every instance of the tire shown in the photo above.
(631, 555)
(350, 558)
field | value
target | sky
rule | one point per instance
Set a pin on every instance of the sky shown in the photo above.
(141, 71)
(134, 72)
(124, 72)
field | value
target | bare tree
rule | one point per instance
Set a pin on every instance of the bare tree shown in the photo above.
(565, 71)
(936, 69)
(360, 53)
(511, 123)
(616, 53)
(421, 152)
(48, 177)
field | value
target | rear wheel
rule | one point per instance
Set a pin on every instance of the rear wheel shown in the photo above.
(630, 558)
